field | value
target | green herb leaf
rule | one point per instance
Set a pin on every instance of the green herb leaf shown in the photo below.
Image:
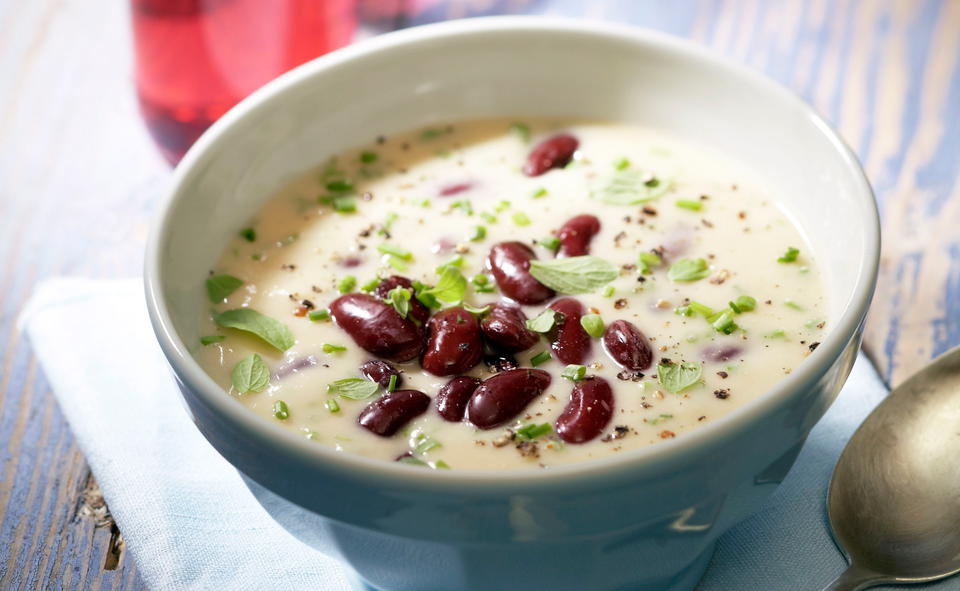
(433, 133)
(370, 285)
(347, 284)
(412, 461)
(273, 332)
(550, 243)
(522, 130)
(344, 204)
(702, 309)
(481, 311)
(543, 322)
(221, 286)
(281, 410)
(574, 373)
(608, 291)
(663, 417)
(688, 270)
(396, 251)
(328, 348)
(540, 358)
(789, 256)
(502, 206)
(622, 164)
(777, 334)
(353, 388)
(593, 324)
(423, 443)
(521, 219)
(340, 186)
(399, 298)
(392, 384)
(368, 157)
(793, 305)
(397, 263)
(332, 405)
(723, 322)
(250, 375)
(648, 260)
(689, 204)
(479, 233)
(677, 377)
(451, 287)
(211, 339)
(745, 303)
(541, 192)
(248, 234)
(630, 187)
(320, 315)
(488, 217)
(573, 275)
(532, 431)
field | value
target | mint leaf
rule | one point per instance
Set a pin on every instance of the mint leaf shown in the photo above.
(250, 375)
(544, 322)
(573, 275)
(273, 332)
(221, 286)
(353, 388)
(677, 377)
(399, 298)
(688, 270)
(209, 340)
(592, 324)
(628, 186)
(574, 373)
(450, 288)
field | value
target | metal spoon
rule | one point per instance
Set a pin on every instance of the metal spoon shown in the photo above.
(894, 501)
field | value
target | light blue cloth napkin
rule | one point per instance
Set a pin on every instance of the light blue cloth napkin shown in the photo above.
(190, 523)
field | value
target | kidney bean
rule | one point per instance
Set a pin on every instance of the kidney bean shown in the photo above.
(721, 353)
(454, 344)
(503, 396)
(389, 413)
(626, 345)
(376, 327)
(576, 234)
(510, 264)
(417, 310)
(571, 344)
(452, 398)
(588, 412)
(553, 152)
(505, 327)
(500, 361)
(380, 372)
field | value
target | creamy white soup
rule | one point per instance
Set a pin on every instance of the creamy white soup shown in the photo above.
(504, 295)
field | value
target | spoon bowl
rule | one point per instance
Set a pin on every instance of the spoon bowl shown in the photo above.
(894, 500)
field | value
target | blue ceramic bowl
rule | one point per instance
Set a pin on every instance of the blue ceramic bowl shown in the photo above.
(647, 519)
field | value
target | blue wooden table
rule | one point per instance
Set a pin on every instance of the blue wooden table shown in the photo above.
(80, 179)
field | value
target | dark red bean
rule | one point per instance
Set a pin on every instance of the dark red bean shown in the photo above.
(389, 413)
(504, 396)
(505, 327)
(571, 344)
(380, 372)
(510, 264)
(454, 343)
(626, 345)
(498, 362)
(417, 310)
(576, 234)
(721, 353)
(553, 152)
(588, 412)
(376, 327)
(452, 398)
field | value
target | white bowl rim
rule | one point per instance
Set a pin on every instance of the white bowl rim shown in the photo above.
(321, 456)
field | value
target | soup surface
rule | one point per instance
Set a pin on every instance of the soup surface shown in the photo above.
(542, 292)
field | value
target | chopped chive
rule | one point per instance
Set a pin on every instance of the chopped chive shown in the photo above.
(396, 251)
(593, 324)
(280, 410)
(608, 291)
(456, 262)
(622, 164)
(397, 263)
(441, 465)
(412, 461)
(777, 334)
(211, 339)
(574, 373)
(425, 203)
(540, 358)
(683, 311)
(502, 206)
(347, 284)
(388, 223)
(319, 315)
(521, 219)
(370, 285)
(540, 192)
(647, 261)
(340, 186)
(488, 217)
(328, 348)
(463, 205)
(689, 204)
(484, 288)
(745, 303)
(480, 279)
(424, 443)
(660, 419)
(532, 431)
(479, 233)
(542, 322)
(789, 256)
(793, 305)
(522, 130)
(248, 234)
(368, 157)
(393, 383)
(344, 204)
(550, 243)
(332, 405)
(701, 309)
(257, 256)
(734, 307)
(724, 323)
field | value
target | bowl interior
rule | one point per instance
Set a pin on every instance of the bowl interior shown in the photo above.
(512, 67)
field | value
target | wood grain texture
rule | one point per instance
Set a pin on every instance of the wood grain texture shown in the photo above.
(79, 180)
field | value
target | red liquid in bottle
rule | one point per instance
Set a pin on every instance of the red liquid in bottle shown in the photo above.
(197, 58)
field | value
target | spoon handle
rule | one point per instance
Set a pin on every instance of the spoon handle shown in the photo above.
(854, 579)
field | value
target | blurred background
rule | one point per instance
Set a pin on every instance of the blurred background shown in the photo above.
(99, 97)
